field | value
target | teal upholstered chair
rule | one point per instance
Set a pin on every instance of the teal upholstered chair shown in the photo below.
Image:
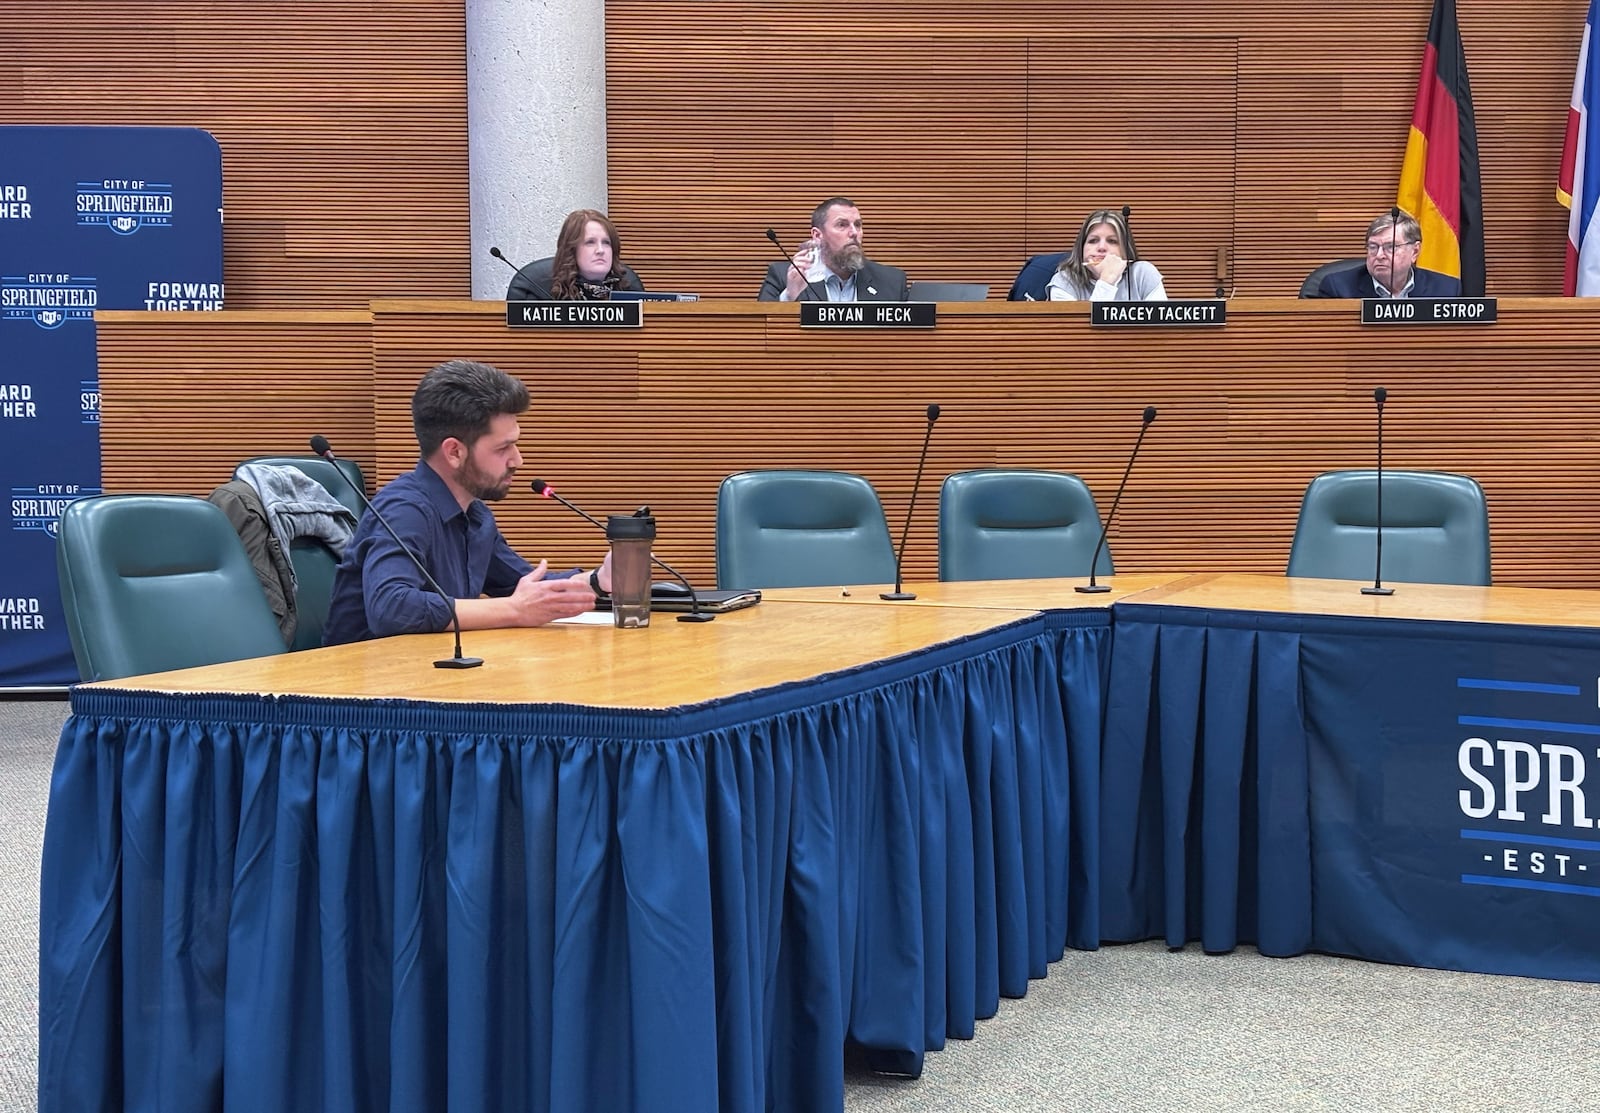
(1435, 528)
(1013, 524)
(801, 529)
(157, 582)
(315, 563)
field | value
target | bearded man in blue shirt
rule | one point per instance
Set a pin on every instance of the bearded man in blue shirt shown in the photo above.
(465, 417)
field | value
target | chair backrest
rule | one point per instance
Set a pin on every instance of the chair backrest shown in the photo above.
(948, 291)
(1010, 524)
(323, 472)
(801, 529)
(1435, 528)
(532, 282)
(315, 563)
(1313, 282)
(1033, 280)
(157, 582)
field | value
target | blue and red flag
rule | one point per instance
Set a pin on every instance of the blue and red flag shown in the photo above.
(1578, 186)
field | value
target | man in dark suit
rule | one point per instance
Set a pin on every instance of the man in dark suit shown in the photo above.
(831, 265)
(1391, 271)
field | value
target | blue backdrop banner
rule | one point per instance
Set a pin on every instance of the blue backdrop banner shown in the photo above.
(90, 218)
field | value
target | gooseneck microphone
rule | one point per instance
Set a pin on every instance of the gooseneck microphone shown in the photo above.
(1129, 249)
(897, 595)
(533, 287)
(540, 487)
(822, 295)
(1092, 586)
(319, 445)
(1379, 396)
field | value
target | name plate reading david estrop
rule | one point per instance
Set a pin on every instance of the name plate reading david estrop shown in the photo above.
(1169, 314)
(1428, 311)
(574, 314)
(868, 314)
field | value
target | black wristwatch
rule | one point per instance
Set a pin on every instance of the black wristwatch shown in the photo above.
(594, 582)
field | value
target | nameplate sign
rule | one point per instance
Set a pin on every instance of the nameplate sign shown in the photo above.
(1428, 311)
(574, 314)
(868, 314)
(1169, 314)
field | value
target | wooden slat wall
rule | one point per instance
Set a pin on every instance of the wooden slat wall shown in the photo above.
(1248, 415)
(343, 128)
(186, 396)
(974, 135)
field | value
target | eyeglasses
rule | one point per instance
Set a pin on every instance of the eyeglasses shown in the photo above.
(1387, 247)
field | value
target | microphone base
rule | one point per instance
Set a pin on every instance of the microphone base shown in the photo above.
(696, 616)
(458, 663)
(897, 596)
(1377, 589)
(1092, 589)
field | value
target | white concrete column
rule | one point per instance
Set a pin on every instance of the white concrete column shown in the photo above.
(536, 126)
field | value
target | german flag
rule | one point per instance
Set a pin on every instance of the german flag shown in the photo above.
(1439, 181)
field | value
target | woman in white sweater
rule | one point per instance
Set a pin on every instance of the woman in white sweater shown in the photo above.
(1103, 265)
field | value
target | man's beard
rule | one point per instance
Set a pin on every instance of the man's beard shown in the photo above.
(480, 486)
(848, 260)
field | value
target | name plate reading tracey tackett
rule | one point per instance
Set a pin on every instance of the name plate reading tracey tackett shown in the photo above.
(1428, 311)
(868, 314)
(574, 314)
(1183, 313)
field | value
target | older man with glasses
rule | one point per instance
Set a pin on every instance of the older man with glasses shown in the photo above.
(1391, 271)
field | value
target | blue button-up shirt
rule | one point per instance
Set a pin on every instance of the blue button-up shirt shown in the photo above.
(378, 590)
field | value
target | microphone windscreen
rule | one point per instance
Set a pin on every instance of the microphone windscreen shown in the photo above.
(933, 413)
(1149, 414)
(320, 445)
(771, 235)
(1380, 395)
(540, 487)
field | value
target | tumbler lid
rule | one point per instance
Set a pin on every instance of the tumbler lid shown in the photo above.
(626, 527)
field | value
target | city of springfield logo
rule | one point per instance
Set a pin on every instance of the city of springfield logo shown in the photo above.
(37, 508)
(1523, 787)
(48, 300)
(89, 401)
(124, 205)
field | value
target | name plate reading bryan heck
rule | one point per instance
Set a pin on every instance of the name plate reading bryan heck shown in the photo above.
(1428, 311)
(868, 314)
(1171, 314)
(574, 314)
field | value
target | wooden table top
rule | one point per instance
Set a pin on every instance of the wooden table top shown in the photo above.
(1056, 593)
(1526, 606)
(797, 634)
(667, 664)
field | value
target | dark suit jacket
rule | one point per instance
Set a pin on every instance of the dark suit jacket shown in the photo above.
(1357, 283)
(889, 282)
(1035, 276)
(532, 282)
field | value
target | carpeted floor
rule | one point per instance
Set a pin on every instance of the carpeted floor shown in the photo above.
(28, 732)
(1133, 1029)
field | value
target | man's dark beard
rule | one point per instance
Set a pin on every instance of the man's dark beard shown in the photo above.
(849, 260)
(479, 486)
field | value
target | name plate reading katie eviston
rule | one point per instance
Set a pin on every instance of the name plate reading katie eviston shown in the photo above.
(1170, 314)
(574, 314)
(868, 314)
(1428, 311)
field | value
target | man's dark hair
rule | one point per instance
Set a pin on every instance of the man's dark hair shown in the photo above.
(458, 399)
(820, 213)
